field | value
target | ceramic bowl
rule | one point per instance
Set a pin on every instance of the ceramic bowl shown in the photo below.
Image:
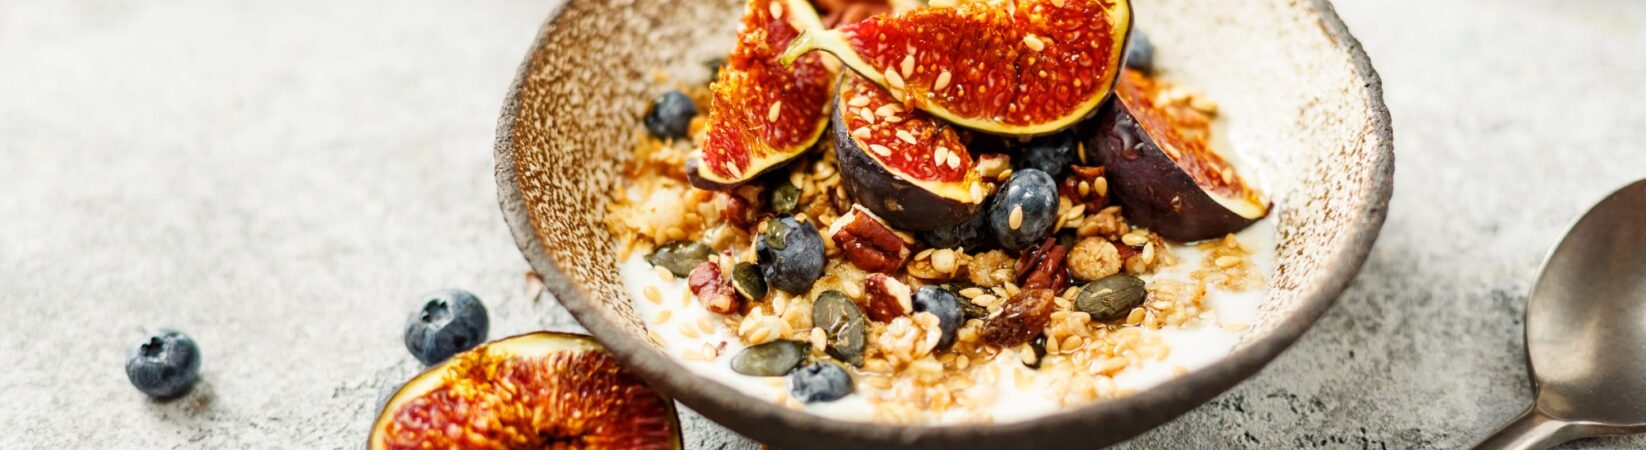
(1301, 101)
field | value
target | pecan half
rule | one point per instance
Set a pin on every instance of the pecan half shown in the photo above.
(867, 242)
(887, 298)
(713, 288)
(1021, 319)
(1044, 266)
(1086, 185)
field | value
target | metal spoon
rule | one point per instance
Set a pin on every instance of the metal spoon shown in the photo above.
(1586, 331)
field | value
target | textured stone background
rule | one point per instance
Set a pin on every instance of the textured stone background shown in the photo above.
(280, 179)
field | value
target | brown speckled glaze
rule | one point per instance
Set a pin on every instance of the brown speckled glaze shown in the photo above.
(1302, 101)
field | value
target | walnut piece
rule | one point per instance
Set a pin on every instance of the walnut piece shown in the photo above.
(867, 242)
(713, 288)
(887, 298)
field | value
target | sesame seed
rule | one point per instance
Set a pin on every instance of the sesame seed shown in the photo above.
(907, 66)
(1101, 185)
(1085, 188)
(942, 81)
(868, 116)
(652, 294)
(894, 119)
(906, 137)
(954, 161)
(977, 193)
(940, 155)
(887, 110)
(732, 169)
(771, 114)
(1134, 239)
(861, 133)
(663, 316)
(894, 79)
(1227, 261)
(859, 101)
(1057, 3)
(880, 150)
(1016, 219)
(777, 10)
(1034, 42)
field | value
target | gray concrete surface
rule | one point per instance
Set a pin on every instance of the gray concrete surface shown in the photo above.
(280, 179)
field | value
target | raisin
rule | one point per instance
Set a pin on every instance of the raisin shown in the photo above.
(1021, 319)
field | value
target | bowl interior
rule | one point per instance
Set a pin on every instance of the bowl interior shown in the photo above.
(1300, 103)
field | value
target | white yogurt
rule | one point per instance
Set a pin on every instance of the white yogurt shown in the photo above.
(1190, 348)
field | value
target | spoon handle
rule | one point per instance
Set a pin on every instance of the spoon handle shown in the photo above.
(1531, 431)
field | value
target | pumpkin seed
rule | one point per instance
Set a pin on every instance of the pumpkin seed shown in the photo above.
(771, 359)
(844, 325)
(1112, 297)
(749, 281)
(783, 198)
(680, 257)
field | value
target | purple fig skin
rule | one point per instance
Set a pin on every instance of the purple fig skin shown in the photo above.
(1152, 190)
(902, 204)
(697, 180)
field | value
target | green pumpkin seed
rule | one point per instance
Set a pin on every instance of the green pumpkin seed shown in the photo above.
(844, 325)
(776, 234)
(748, 280)
(783, 198)
(1112, 297)
(771, 359)
(680, 257)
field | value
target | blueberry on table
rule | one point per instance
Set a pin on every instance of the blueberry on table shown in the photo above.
(164, 365)
(790, 253)
(1051, 154)
(820, 382)
(449, 322)
(1140, 54)
(670, 115)
(943, 304)
(1024, 211)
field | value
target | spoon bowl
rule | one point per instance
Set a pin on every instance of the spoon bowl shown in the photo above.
(1586, 330)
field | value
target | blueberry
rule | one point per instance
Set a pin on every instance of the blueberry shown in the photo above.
(670, 115)
(790, 254)
(1140, 55)
(820, 382)
(1033, 194)
(943, 304)
(165, 365)
(1051, 154)
(969, 235)
(450, 321)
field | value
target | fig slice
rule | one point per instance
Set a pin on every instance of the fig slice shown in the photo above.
(1163, 170)
(1011, 67)
(762, 114)
(532, 391)
(902, 165)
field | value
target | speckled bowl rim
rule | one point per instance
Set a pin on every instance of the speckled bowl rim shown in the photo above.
(1119, 419)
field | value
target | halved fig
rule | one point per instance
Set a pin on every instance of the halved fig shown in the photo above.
(537, 390)
(1014, 67)
(1163, 171)
(762, 114)
(908, 169)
